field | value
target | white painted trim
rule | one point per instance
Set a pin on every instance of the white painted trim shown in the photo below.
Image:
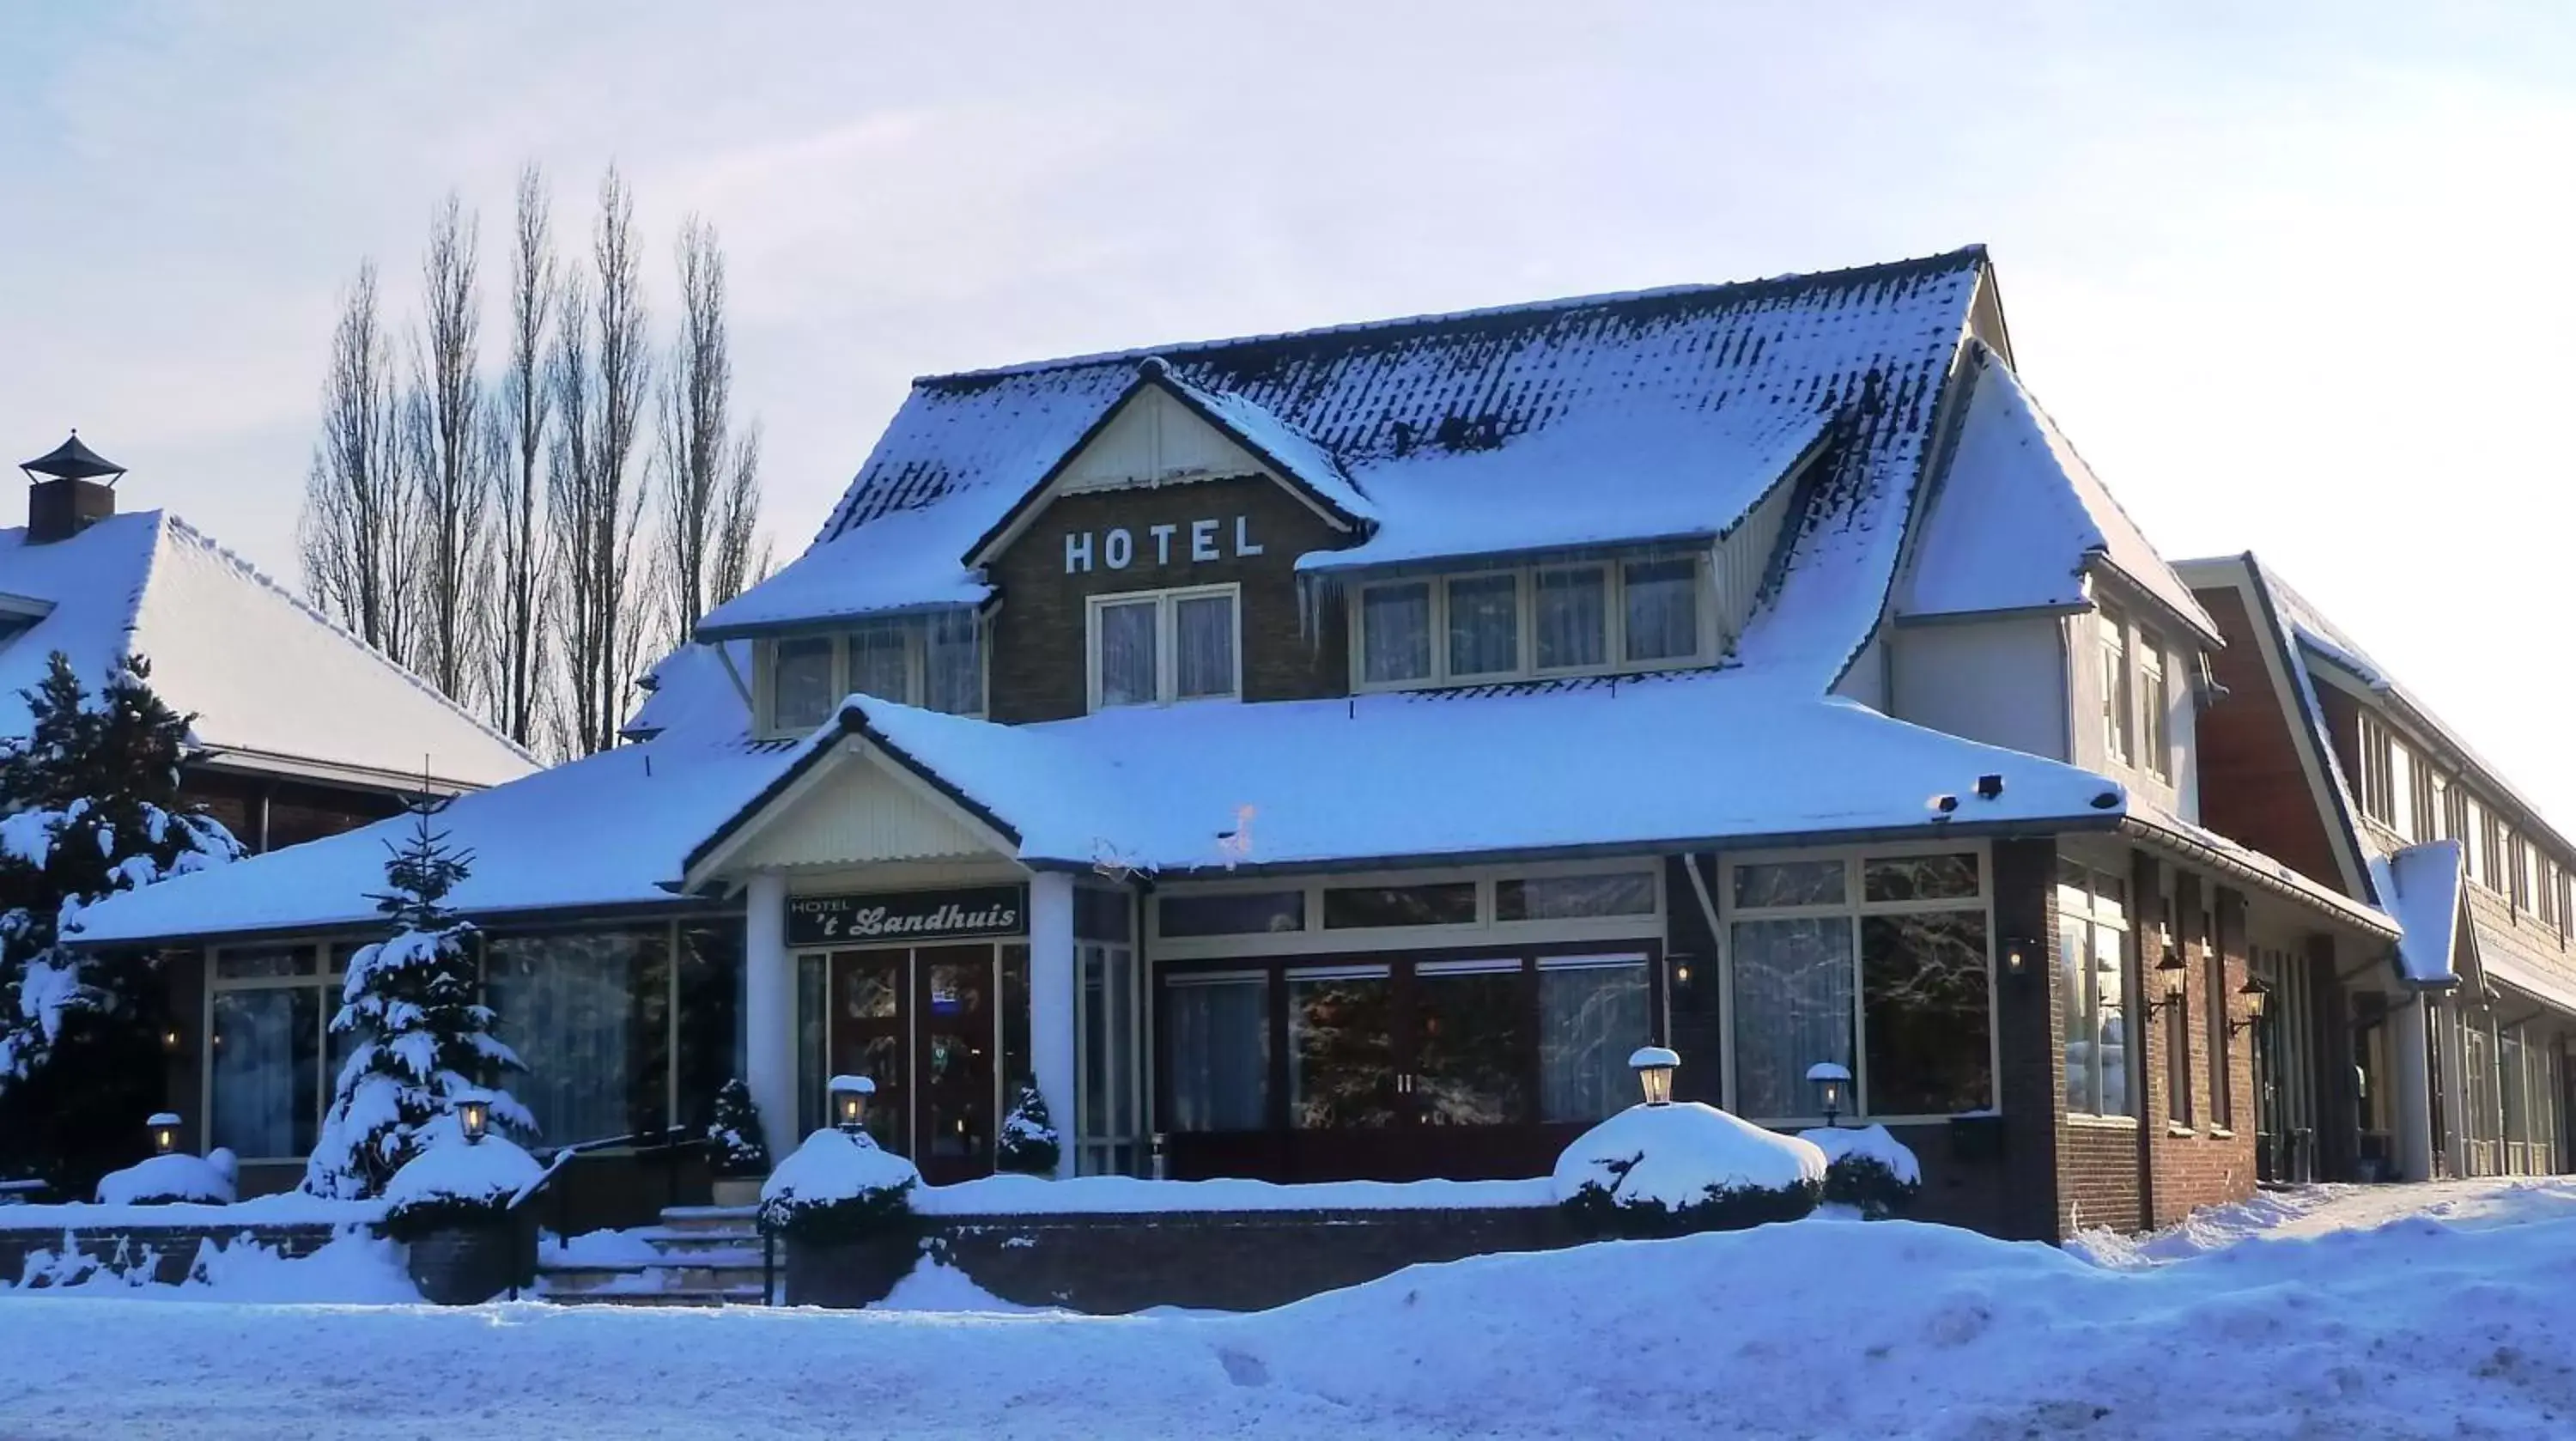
(1614, 608)
(1315, 940)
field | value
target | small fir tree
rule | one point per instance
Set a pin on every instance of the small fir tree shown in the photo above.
(89, 806)
(420, 1038)
(1028, 1142)
(735, 1131)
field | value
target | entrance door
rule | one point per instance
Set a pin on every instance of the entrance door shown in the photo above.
(868, 1038)
(920, 1023)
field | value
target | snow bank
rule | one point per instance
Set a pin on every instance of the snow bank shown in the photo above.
(1682, 1154)
(1008, 1195)
(205, 1180)
(285, 1208)
(932, 1286)
(350, 1269)
(1871, 1143)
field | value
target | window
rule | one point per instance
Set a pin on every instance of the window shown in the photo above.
(1447, 903)
(1231, 913)
(1879, 963)
(1218, 1040)
(1158, 647)
(2156, 706)
(801, 691)
(271, 1012)
(2426, 799)
(2402, 766)
(2177, 1030)
(1585, 619)
(1592, 1014)
(2116, 698)
(2378, 792)
(1106, 1110)
(2213, 1017)
(2093, 921)
(588, 1012)
(2493, 852)
(2519, 856)
(1551, 898)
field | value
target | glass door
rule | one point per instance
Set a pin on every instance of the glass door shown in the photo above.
(954, 1070)
(868, 1038)
(1344, 1086)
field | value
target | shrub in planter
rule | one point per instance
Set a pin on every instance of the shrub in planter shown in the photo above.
(843, 1205)
(1683, 1168)
(741, 1158)
(1028, 1143)
(170, 1179)
(450, 1206)
(1867, 1169)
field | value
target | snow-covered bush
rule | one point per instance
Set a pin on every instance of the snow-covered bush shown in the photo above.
(1672, 1170)
(1028, 1143)
(838, 1186)
(449, 1182)
(164, 1180)
(735, 1131)
(1867, 1169)
(89, 806)
(422, 1038)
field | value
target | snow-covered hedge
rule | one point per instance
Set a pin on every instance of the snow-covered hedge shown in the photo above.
(837, 1187)
(452, 1182)
(1867, 1169)
(1671, 1170)
(175, 1179)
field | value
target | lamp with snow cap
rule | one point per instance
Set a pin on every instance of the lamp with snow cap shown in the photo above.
(164, 1126)
(473, 1114)
(850, 1102)
(1829, 1078)
(1654, 1066)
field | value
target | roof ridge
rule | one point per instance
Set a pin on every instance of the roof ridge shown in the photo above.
(1796, 280)
(240, 564)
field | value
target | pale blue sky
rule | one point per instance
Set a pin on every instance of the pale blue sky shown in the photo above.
(2293, 281)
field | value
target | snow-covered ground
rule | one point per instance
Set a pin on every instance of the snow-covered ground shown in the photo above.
(2452, 1312)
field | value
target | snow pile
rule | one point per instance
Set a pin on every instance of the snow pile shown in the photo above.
(1686, 1167)
(1009, 1195)
(934, 1286)
(837, 1182)
(598, 1248)
(352, 1268)
(159, 1180)
(284, 1208)
(2308, 1212)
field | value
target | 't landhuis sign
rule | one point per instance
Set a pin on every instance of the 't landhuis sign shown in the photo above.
(907, 916)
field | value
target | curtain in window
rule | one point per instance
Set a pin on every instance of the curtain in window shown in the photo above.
(801, 683)
(1924, 993)
(1484, 625)
(1127, 654)
(1203, 636)
(1591, 1018)
(1395, 632)
(267, 1071)
(1108, 1113)
(878, 664)
(1793, 1008)
(1573, 618)
(1220, 1052)
(953, 664)
(587, 1012)
(1662, 609)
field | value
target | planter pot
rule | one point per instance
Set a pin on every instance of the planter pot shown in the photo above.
(468, 1265)
(737, 1191)
(849, 1274)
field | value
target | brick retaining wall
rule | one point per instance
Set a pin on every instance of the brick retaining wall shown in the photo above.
(167, 1253)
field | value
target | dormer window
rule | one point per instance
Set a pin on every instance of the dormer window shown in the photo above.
(1164, 646)
(1535, 621)
(935, 661)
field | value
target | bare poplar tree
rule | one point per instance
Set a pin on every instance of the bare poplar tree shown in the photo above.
(355, 531)
(520, 614)
(710, 477)
(450, 454)
(570, 519)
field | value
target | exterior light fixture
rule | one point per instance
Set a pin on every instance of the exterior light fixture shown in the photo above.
(473, 1114)
(1654, 1067)
(170, 1040)
(850, 1102)
(2251, 998)
(2017, 956)
(165, 1131)
(1829, 1078)
(2173, 975)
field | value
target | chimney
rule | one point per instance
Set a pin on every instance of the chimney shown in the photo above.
(69, 489)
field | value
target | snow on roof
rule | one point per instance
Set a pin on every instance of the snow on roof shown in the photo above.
(1275, 440)
(2254, 863)
(2420, 886)
(693, 689)
(265, 674)
(1649, 762)
(605, 831)
(2020, 518)
(1498, 428)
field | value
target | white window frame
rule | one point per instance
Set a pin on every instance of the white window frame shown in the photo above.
(1857, 910)
(1167, 671)
(2132, 1017)
(2155, 704)
(2118, 653)
(1614, 640)
(916, 633)
(1315, 940)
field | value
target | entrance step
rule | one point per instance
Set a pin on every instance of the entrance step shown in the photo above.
(698, 1256)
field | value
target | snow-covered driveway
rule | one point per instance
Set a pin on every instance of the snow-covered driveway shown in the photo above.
(2420, 1327)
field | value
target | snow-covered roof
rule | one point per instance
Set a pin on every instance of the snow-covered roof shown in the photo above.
(697, 686)
(2020, 519)
(2420, 886)
(271, 681)
(1571, 423)
(2255, 865)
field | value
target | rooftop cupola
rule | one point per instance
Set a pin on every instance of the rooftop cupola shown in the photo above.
(70, 488)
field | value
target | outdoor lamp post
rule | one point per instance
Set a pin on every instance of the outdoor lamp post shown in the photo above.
(2173, 973)
(1654, 1067)
(165, 1131)
(2251, 998)
(473, 1114)
(1829, 1078)
(850, 1102)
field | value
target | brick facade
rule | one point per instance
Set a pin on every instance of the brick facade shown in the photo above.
(1295, 644)
(2199, 1161)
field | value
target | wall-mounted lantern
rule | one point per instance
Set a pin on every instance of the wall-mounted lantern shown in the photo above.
(2251, 998)
(2172, 977)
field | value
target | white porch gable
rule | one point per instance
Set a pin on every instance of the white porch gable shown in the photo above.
(856, 806)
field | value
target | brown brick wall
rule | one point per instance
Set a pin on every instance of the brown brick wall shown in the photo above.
(2031, 1034)
(1039, 635)
(2204, 1164)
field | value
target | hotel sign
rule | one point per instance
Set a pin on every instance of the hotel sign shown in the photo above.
(907, 916)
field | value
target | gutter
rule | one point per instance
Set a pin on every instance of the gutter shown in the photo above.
(2358, 917)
